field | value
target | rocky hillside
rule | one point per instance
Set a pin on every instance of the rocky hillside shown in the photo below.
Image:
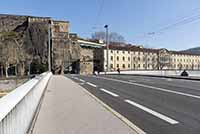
(22, 43)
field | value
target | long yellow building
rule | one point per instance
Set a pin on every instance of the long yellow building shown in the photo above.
(129, 57)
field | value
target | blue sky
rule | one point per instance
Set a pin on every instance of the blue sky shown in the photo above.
(133, 19)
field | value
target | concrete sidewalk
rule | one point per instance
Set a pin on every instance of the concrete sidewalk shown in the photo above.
(68, 109)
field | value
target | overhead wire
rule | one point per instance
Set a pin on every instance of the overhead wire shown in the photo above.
(182, 21)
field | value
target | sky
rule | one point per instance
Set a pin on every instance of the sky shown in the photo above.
(141, 22)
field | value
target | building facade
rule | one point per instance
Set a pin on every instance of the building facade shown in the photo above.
(129, 57)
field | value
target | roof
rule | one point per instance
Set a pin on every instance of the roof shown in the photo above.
(130, 47)
(88, 43)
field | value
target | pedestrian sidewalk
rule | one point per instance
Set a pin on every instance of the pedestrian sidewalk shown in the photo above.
(68, 109)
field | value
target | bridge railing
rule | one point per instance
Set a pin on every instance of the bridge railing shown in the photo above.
(17, 108)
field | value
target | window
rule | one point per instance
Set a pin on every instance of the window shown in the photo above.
(117, 65)
(123, 66)
(111, 65)
(111, 51)
(138, 58)
(139, 65)
(123, 58)
(129, 65)
(128, 52)
(117, 58)
(111, 58)
(117, 51)
(128, 58)
(123, 52)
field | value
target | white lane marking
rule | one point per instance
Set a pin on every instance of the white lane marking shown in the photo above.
(93, 85)
(81, 80)
(76, 78)
(156, 88)
(82, 83)
(108, 92)
(161, 116)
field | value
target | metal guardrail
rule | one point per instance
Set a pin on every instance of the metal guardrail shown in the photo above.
(18, 107)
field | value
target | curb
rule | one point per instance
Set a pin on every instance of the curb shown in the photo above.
(37, 111)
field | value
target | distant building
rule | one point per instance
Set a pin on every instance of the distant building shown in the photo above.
(129, 57)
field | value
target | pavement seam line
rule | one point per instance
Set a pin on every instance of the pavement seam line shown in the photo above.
(152, 87)
(159, 115)
(115, 113)
(108, 92)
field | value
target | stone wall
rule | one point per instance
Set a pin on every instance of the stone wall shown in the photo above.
(65, 50)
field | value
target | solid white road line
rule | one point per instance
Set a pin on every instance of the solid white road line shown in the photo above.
(152, 87)
(161, 116)
(108, 92)
(93, 85)
(81, 80)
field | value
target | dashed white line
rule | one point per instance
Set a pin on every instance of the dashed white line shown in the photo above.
(161, 116)
(81, 80)
(82, 83)
(75, 78)
(93, 85)
(108, 92)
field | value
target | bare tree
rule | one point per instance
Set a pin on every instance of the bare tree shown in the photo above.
(113, 37)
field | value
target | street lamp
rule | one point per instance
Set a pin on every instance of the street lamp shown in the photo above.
(49, 45)
(107, 47)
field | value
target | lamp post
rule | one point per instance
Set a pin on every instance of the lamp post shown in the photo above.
(49, 46)
(107, 48)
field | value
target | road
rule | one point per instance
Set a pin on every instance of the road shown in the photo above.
(155, 105)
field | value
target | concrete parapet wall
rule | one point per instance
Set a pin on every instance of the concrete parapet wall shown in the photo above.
(17, 108)
(159, 73)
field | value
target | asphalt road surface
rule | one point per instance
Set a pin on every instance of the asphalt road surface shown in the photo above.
(155, 105)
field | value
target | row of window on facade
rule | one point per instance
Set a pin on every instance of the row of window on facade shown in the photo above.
(134, 52)
(129, 66)
(149, 65)
(153, 59)
(186, 60)
(134, 58)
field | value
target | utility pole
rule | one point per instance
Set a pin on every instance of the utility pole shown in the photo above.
(49, 46)
(107, 47)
